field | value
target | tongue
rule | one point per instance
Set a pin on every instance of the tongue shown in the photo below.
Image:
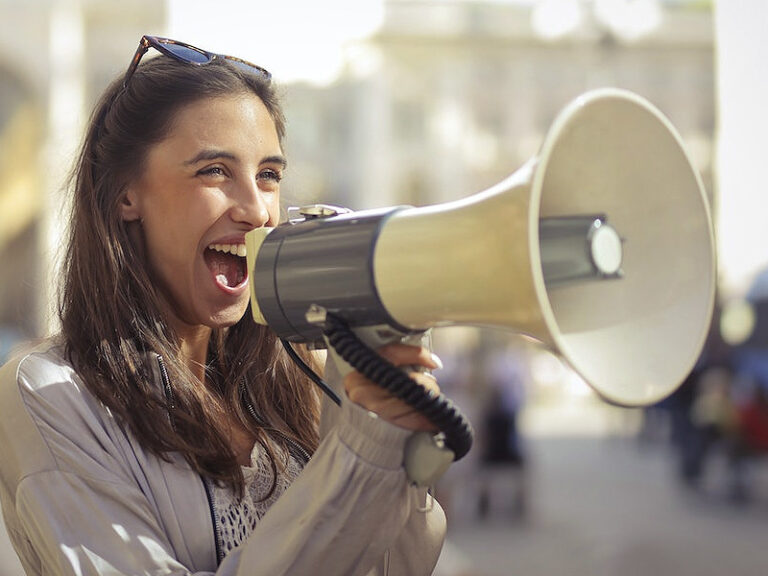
(228, 269)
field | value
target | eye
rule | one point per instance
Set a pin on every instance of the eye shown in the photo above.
(270, 175)
(269, 180)
(212, 171)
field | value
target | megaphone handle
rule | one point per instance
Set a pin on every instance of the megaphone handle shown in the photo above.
(457, 430)
(425, 458)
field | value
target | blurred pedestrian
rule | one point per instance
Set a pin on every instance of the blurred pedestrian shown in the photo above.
(750, 441)
(502, 460)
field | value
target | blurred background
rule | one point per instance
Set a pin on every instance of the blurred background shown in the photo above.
(424, 101)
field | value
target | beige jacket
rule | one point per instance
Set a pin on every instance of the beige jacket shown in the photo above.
(81, 497)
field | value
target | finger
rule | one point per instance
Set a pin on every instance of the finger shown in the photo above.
(426, 380)
(362, 391)
(372, 397)
(414, 420)
(404, 355)
(397, 412)
(357, 385)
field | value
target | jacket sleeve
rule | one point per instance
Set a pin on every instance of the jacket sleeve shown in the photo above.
(71, 505)
(352, 511)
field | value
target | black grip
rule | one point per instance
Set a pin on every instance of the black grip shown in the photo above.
(439, 409)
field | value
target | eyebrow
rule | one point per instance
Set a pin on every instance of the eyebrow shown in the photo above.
(275, 159)
(214, 154)
(209, 154)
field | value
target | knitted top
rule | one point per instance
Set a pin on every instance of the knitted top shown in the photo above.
(235, 517)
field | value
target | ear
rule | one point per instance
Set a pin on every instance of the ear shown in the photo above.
(130, 209)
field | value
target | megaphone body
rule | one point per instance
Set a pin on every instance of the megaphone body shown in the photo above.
(600, 247)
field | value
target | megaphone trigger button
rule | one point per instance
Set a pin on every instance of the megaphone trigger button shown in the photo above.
(316, 315)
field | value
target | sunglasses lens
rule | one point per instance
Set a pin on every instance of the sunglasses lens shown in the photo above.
(248, 68)
(186, 53)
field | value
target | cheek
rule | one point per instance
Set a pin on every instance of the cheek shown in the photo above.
(179, 217)
(165, 251)
(173, 236)
(273, 207)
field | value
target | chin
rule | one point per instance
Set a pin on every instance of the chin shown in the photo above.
(227, 317)
(225, 320)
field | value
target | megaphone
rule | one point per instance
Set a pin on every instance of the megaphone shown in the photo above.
(600, 247)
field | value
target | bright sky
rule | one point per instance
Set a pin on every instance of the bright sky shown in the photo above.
(306, 39)
(294, 39)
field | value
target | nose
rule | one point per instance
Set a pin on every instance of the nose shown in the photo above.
(251, 206)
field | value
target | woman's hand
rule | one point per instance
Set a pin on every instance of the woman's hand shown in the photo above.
(373, 397)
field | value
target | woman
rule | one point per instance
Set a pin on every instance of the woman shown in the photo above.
(163, 432)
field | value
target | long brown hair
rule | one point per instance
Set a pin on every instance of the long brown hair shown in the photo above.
(110, 311)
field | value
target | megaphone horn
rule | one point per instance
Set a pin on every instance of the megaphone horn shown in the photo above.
(600, 247)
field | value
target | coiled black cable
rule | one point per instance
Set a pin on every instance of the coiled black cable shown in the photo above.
(439, 409)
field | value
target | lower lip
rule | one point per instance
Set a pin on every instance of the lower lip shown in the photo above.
(232, 290)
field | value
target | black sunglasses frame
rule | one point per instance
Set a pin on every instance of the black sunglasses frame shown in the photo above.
(159, 43)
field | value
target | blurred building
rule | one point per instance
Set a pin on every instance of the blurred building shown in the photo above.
(56, 56)
(448, 98)
(444, 100)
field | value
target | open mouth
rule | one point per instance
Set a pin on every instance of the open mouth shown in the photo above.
(227, 264)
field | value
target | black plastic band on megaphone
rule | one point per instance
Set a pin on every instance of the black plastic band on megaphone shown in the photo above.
(323, 262)
(436, 407)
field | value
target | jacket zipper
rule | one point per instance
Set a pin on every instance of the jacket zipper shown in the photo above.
(214, 521)
(296, 450)
(168, 391)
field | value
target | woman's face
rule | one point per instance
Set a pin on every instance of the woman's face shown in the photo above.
(214, 178)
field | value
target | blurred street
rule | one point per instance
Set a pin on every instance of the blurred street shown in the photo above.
(613, 507)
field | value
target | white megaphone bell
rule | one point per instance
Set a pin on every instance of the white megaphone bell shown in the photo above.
(600, 247)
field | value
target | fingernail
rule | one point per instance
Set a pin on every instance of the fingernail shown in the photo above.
(437, 361)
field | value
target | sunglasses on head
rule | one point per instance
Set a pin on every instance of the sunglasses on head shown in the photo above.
(184, 52)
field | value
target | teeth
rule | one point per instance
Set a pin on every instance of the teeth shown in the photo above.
(236, 249)
(222, 279)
